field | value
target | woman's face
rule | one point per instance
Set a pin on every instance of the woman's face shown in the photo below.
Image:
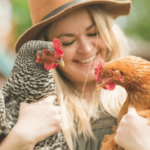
(82, 44)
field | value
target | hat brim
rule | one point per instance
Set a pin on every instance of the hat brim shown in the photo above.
(116, 8)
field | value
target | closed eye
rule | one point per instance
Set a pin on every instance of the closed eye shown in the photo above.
(109, 74)
(93, 34)
(67, 44)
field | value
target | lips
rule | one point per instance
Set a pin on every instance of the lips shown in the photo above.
(87, 60)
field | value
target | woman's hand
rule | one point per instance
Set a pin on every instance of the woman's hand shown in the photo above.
(39, 120)
(36, 122)
(133, 132)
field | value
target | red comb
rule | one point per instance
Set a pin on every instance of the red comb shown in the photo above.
(57, 47)
(98, 69)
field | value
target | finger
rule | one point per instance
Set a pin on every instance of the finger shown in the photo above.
(59, 127)
(61, 124)
(50, 99)
(58, 109)
(117, 139)
(23, 105)
(59, 118)
(132, 111)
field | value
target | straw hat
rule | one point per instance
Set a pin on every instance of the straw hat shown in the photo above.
(43, 12)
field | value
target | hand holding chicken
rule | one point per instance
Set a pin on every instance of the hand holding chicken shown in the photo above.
(132, 73)
(31, 81)
(133, 132)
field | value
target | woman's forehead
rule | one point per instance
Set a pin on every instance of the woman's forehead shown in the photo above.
(76, 19)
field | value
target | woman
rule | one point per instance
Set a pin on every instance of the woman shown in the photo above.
(88, 32)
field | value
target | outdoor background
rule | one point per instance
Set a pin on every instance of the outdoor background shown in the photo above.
(15, 19)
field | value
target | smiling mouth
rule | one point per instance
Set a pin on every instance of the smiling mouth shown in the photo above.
(85, 61)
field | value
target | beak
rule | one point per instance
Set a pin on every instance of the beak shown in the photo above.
(61, 63)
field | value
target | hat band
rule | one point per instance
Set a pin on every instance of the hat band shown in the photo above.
(59, 9)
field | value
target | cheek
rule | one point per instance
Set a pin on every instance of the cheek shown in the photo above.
(102, 48)
(68, 54)
(101, 44)
(68, 59)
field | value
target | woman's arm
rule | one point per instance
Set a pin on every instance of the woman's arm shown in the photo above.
(36, 122)
(133, 132)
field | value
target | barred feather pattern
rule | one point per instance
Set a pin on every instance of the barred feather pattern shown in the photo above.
(28, 82)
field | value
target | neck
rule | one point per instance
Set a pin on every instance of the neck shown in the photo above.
(86, 90)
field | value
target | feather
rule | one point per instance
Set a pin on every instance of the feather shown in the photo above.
(31, 80)
(133, 74)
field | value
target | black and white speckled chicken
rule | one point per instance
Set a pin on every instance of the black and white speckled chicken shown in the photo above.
(30, 81)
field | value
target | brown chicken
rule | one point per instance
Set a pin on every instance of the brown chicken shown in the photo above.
(133, 74)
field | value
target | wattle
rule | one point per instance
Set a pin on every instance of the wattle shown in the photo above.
(110, 86)
(48, 66)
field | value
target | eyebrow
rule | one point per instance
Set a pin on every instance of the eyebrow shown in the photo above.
(67, 34)
(71, 35)
(88, 28)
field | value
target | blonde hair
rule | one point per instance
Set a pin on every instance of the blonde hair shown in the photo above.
(75, 110)
(118, 45)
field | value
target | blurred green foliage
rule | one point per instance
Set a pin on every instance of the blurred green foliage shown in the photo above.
(21, 16)
(137, 24)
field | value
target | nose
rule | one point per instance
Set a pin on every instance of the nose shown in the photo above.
(85, 46)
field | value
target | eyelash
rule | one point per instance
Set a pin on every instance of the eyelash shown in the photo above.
(67, 44)
(93, 34)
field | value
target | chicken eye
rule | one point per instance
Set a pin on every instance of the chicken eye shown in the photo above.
(109, 74)
(47, 52)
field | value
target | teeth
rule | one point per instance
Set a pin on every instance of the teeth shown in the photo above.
(88, 60)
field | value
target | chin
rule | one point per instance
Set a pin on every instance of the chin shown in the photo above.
(90, 77)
